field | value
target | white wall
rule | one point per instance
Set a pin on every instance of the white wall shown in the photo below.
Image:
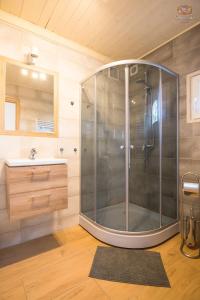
(72, 66)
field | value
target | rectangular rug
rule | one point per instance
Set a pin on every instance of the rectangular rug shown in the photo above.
(129, 266)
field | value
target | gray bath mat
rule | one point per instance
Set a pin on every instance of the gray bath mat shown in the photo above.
(129, 266)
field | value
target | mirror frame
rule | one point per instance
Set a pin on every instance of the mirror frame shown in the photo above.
(3, 62)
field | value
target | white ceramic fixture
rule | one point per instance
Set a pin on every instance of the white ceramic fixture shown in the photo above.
(35, 162)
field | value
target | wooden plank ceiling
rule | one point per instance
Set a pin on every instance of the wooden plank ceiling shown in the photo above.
(119, 29)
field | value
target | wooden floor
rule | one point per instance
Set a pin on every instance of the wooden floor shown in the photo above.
(62, 273)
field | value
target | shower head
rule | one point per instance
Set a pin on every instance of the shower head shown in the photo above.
(140, 81)
(146, 86)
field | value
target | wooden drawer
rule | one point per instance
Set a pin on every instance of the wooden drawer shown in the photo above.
(35, 178)
(30, 204)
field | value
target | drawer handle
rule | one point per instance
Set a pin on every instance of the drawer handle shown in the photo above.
(36, 202)
(39, 173)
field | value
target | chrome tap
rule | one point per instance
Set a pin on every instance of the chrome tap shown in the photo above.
(33, 153)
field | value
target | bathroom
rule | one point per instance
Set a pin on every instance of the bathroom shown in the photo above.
(112, 70)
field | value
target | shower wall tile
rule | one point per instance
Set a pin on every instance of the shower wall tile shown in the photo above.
(182, 56)
(87, 184)
(187, 62)
(169, 167)
(196, 148)
(168, 203)
(185, 164)
(103, 198)
(169, 150)
(186, 147)
(183, 59)
(143, 173)
(189, 38)
(3, 204)
(186, 129)
(88, 203)
(196, 130)
(163, 54)
(117, 163)
(118, 194)
(110, 136)
(88, 169)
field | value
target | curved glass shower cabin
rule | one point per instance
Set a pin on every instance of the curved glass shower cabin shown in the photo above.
(129, 160)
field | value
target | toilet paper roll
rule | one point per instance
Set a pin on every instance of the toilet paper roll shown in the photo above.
(192, 187)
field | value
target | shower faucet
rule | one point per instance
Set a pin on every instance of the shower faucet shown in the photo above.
(147, 146)
(122, 147)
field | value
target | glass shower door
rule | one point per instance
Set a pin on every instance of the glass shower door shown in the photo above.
(169, 152)
(88, 136)
(110, 148)
(144, 171)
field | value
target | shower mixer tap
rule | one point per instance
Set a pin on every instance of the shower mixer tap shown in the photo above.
(33, 153)
(147, 146)
(123, 147)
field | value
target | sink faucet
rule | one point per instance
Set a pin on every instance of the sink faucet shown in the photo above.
(33, 153)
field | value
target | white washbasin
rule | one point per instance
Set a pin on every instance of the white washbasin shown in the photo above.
(35, 162)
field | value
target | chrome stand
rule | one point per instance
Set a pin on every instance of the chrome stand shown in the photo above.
(190, 215)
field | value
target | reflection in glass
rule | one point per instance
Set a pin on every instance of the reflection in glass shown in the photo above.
(33, 95)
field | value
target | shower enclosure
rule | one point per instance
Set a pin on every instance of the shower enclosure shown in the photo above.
(129, 154)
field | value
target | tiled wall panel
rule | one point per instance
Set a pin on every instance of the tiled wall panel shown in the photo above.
(72, 67)
(181, 55)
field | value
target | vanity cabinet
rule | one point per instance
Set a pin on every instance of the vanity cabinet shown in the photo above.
(34, 190)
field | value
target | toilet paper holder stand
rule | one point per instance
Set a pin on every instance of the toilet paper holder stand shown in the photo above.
(190, 225)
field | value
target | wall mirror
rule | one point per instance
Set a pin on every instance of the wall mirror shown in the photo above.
(193, 97)
(28, 100)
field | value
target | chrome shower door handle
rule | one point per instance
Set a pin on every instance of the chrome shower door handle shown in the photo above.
(122, 147)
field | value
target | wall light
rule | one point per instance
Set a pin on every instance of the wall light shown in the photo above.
(35, 75)
(43, 76)
(24, 72)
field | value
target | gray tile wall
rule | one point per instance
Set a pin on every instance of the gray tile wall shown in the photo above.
(110, 162)
(182, 55)
(144, 172)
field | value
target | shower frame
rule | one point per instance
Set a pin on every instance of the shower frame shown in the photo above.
(127, 239)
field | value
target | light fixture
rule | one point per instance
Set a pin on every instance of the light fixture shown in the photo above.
(24, 72)
(35, 75)
(43, 76)
(32, 55)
